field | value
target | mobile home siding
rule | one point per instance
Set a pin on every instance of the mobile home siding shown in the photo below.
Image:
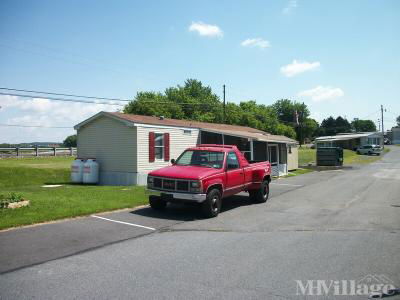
(178, 142)
(111, 142)
(293, 157)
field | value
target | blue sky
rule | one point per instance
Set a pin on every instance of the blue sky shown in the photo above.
(339, 57)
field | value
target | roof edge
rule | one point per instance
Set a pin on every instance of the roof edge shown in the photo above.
(102, 114)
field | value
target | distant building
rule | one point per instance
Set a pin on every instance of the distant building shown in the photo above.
(396, 135)
(350, 140)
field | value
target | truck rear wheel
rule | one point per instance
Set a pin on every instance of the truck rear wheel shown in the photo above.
(260, 195)
(157, 203)
(212, 205)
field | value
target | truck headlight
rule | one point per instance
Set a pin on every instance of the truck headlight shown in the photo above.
(150, 181)
(195, 186)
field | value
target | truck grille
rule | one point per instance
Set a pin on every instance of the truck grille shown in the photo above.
(171, 184)
(168, 184)
(158, 183)
(182, 185)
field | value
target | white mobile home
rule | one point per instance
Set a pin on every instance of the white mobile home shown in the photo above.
(128, 147)
(350, 140)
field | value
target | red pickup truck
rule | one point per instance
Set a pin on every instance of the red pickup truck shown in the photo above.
(206, 174)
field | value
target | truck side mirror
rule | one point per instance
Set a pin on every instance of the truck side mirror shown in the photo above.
(173, 161)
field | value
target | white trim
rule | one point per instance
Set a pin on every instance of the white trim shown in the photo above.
(102, 114)
(251, 150)
(163, 126)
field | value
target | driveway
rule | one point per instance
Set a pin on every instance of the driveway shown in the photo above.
(331, 226)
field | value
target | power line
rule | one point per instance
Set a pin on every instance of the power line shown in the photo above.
(34, 126)
(60, 99)
(89, 97)
(67, 95)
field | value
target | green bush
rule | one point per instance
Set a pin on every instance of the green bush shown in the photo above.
(12, 197)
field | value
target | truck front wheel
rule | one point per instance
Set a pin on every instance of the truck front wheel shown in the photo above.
(157, 203)
(212, 205)
(260, 195)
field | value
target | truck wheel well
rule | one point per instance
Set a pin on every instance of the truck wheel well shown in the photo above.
(215, 186)
(267, 178)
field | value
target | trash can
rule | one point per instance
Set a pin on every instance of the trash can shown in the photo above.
(329, 156)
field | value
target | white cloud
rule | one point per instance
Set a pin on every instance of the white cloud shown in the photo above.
(206, 29)
(256, 42)
(297, 67)
(43, 112)
(290, 7)
(322, 93)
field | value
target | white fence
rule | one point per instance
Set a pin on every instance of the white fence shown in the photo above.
(37, 151)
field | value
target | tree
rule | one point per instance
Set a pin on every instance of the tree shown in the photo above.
(332, 126)
(398, 121)
(328, 126)
(194, 101)
(363, 125)
(342, 125)
(286, 110)
(70, 141)
(309, 129)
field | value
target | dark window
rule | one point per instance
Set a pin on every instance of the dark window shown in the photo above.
(232, 161)
(211, 138)
(159, 146)
(260, 151)
(210, 159)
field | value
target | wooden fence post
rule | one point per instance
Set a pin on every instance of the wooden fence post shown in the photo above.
(37, 151)
(17, 149)
(71, 151)
(54, 149)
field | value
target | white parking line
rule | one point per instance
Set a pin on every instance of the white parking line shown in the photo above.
(286, 184)
(126, 223)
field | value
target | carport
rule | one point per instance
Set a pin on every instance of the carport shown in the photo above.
(255, 146)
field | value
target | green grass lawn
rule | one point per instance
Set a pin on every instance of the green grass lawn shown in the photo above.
(27, 175)
(307, 155)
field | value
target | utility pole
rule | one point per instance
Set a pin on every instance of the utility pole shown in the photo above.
(224, 104)
(383, 130)
(379, 124)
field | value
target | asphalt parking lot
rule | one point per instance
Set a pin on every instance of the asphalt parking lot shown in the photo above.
(36, 244)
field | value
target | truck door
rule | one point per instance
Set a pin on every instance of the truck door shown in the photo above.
(234, 175)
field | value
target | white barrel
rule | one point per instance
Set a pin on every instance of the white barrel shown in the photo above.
(77, 170)
(91, 171)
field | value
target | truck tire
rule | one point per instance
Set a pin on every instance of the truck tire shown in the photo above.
(260, 195)
(157, 203)
(212, 205)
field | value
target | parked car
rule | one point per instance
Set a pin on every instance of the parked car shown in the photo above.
(387, 141)
(369, 149)
(206, 174)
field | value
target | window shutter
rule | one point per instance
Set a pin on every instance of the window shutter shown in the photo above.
(166, 146)
(151, 147)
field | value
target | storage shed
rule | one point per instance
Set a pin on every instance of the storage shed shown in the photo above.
(128, 146)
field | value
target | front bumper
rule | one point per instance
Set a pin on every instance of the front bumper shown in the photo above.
(171, 196)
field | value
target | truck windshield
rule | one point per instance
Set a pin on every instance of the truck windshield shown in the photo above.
(208, 159)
